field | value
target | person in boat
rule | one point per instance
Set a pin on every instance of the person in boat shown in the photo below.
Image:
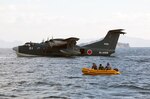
(101, 67)
(94, 66)
(116, 69)
(108, 67)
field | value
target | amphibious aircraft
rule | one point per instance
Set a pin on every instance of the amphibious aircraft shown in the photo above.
(68, 47)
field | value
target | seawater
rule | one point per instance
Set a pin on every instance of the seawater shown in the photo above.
(61, 78)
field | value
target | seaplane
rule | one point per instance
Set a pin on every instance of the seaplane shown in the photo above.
(69, 47)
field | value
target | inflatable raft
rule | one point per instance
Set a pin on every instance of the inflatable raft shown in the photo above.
(89, 71)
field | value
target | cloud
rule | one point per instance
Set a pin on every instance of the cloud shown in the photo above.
(21, 19)
(136, 24)
(132, 16)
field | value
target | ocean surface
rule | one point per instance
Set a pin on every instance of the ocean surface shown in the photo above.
(61, 78)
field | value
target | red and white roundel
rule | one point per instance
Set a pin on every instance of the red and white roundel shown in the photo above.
(89, 51)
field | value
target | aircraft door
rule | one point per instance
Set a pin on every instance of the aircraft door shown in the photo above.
(82, 51)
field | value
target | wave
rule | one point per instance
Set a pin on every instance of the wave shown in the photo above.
(57, 97)
(139, 59)
(4, 96)
(133, 86)
(73, 77)
(46, 83)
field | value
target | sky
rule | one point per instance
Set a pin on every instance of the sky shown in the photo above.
(35, 20)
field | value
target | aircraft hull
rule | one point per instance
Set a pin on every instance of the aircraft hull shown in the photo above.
(28, 52)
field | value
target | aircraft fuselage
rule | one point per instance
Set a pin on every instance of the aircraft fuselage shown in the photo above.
(68, 47)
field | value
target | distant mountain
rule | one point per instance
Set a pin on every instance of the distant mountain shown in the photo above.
(123, 45)
(135, 42)
(6, 44)
(125, 42)
(119, 45)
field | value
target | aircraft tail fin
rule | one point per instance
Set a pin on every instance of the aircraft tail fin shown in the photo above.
(109, 42)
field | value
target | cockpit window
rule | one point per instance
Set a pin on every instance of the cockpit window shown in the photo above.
(27, 44)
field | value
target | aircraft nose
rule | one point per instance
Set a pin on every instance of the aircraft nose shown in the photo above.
(15, 49)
